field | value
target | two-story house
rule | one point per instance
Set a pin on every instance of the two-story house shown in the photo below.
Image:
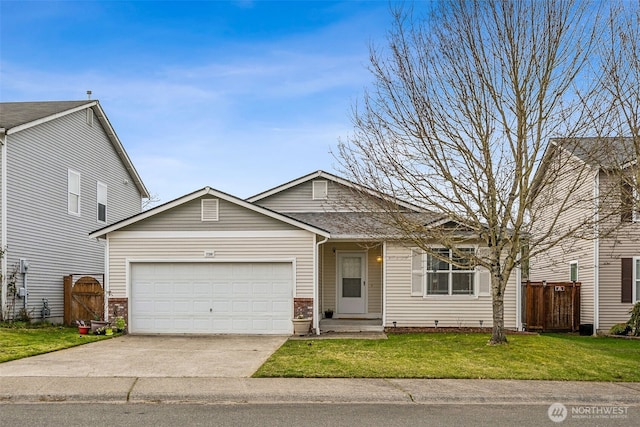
(603, 252)
(63, 173)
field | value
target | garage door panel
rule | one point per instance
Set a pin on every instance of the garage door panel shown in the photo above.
(248, 298)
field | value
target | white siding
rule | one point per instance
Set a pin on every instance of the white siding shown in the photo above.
(188, 216)
(624, 243)
(292, 245)
(449, 311)
(40, 228)
(300, 199)
(553, 265)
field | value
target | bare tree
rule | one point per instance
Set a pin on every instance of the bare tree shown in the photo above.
(464, 103)
(620, 77)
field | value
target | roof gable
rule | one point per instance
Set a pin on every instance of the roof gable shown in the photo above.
(189, 198)
(322, 175)
(18, 116)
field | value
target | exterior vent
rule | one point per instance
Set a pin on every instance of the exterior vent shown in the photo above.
(319, 190)
(209, 209)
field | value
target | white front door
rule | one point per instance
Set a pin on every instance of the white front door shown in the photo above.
(351, 283)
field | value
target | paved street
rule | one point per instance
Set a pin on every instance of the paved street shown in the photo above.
(248, 415)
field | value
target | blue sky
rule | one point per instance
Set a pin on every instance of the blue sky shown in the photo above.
(241, 96)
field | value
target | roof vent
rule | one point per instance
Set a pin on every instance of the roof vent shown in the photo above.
(89, 94)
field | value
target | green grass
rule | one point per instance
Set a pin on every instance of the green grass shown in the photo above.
(456, 355)
(18, 340)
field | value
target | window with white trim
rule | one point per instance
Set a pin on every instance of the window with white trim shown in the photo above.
(101, 197)
(573, 271)
(319, 190)
(73, 192)
(443, 272)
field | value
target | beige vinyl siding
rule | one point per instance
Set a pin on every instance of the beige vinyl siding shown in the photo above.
(40, 228)
(449, 311)
(624, 243)
(553, 265)
(292, 245)
(187, 217)
(300, 198)
(329, 275)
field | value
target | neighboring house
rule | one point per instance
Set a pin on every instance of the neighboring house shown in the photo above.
(209, 262)
(64, 172)
(606, 263)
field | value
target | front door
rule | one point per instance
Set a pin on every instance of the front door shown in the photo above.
(351, 283)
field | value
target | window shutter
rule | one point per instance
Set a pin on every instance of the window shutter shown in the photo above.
(484, 282)
(209, 209)
(417, 273)
(627, 280)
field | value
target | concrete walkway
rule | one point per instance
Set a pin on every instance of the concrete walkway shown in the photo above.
(290, 390)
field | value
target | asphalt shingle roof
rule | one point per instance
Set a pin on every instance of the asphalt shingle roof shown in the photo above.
(14, 114)
(606, 152)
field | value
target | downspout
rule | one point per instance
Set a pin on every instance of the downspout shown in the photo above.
(518, 299)
(596, 254)
(3, 223)
(316, 285)
(384, 284)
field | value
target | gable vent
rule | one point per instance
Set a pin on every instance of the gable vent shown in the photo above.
(319, 190)
(209, 209)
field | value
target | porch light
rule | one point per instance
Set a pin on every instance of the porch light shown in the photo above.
(379, 258)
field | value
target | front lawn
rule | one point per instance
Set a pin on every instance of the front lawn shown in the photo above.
(18, 340)
(457, 355)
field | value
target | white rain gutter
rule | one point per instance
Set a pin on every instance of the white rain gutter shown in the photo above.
(316, 285)
(596, 254)
(3, 221)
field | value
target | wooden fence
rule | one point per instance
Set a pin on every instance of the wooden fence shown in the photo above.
(83, 298)
(552, 306)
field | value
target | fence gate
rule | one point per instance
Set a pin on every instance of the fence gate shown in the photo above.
(552, 306)
(83, 297)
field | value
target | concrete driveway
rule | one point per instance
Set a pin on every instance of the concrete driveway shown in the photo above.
(227, 356)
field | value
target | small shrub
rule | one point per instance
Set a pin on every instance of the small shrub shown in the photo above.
(634, 321)
(620, 329)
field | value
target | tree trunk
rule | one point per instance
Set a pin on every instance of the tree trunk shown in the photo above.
(497, 289)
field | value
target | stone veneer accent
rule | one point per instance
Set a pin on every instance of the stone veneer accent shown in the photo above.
(303, 306)
(118, 307)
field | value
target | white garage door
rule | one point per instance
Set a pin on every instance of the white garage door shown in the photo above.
(211, 298)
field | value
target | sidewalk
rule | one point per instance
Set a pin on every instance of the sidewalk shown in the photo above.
(311, 390)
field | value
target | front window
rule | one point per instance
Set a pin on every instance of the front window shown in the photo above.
(449, 272)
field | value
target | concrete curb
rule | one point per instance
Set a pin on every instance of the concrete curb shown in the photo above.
(302, 390)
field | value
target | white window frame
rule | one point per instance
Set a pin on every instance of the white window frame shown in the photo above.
(320, 189)
(101, 199)
(636, 280)
(72, 191)
(571, 264)
(204, 208)
(424, 274)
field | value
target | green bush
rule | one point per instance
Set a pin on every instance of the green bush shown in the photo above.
(620, 329)
(634, 321)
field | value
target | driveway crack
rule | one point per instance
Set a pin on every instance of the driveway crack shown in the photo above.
(135, 381)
